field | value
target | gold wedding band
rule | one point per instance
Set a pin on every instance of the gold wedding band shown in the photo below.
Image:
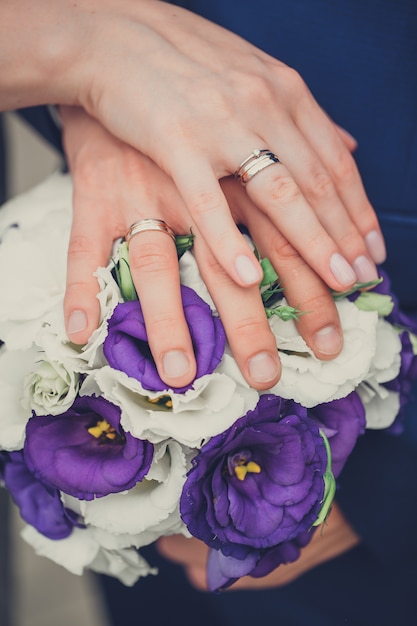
(149, 224)
(257, 161)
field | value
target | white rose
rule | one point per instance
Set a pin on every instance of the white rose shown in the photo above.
(50, 389)
(14, 367)
(310, 381)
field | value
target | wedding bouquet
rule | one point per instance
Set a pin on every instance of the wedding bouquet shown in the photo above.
(102, 458)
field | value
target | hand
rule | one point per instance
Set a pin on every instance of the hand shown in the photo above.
(335, 538)
(197, 100)
(226, 98)
(114, 185)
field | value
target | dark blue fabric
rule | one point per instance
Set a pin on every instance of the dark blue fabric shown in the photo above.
(40, 119)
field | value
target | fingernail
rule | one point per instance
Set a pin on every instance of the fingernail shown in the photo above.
(263, 368)
(328, 340)
(249, 271)
(341, 269)
(77, 322)
(376, 246)
(175, 364)
(365, 270)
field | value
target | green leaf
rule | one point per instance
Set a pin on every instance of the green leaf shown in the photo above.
(339, 295)
(329, 485)
(283, 311)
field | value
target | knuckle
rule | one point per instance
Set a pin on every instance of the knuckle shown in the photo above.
(282, 250)
(320, 186)
(205, 203)
(292, 80)
(150, 258)
(254, 88)
(79, 245)
(284, 190)
(247, 327)
(344, 168)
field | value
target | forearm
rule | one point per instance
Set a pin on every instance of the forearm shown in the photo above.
(40, 52)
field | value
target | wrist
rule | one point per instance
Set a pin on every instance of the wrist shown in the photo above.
(40, 52)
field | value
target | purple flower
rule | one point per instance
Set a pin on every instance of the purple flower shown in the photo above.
(223, 571)
(39, 504)
(342, 421)
(126, 346)
(84, 452)
(258, 484)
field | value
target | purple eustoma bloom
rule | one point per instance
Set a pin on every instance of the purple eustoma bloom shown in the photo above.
(84, 452)
(342, 421)
(39, 504)
(126, 346)
(223, 571)
(258, 484)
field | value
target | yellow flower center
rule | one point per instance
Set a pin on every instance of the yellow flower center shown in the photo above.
(103, 429)
(161, 401)
(247, 468)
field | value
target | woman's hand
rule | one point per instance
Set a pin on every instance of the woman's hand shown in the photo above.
(114, 185)
(334, 539)
(197, 100)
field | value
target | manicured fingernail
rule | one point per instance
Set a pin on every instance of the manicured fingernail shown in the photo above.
(328, 340)
(263, 368)
(248, 270)
(175, 364)
(365, 270)
(341, 269)
(376, 246)
(77, 322)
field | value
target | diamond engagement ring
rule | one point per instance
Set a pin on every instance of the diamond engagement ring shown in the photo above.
(257, 161)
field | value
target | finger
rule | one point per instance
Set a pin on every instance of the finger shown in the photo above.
(89, 248)
(154, 268)
(211, 214)
(190, 553)
(349, 141)
(183, 550)
(276, 193)
(243, 316)
(326, 142)
(317, 186)
(303, 289)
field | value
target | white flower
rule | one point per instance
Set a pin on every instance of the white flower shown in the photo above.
(35, 256)
(213, 405)
(50, 389)
(52, 336)
(82, 550)
(382, 405)
(14, 367)
(310, 381)
(190, 276)
(152, 501)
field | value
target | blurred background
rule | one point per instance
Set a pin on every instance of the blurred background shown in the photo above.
(33, 590)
